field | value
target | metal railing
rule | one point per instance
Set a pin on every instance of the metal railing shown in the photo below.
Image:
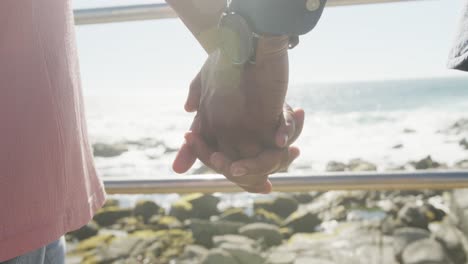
(441, 180)
(162, 11)
(284, 183)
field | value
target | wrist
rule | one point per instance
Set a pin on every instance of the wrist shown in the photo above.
(268, 46)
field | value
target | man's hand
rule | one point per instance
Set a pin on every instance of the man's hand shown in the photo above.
(241, 116)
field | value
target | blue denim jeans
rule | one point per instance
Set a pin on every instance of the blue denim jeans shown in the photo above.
(54, 253)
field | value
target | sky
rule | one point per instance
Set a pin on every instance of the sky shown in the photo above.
(364, 42)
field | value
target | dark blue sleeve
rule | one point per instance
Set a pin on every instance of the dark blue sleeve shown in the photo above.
(458, 58)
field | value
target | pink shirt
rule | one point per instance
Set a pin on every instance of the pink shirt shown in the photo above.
(48, 183)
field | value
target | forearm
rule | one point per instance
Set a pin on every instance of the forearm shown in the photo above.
(201, 17)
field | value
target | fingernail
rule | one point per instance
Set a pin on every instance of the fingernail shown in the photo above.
(216, 161)
(239, 171)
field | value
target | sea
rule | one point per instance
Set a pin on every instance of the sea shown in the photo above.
(388, 123)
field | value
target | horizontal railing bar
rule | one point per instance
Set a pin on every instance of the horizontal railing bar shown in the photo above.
(442, 180)
(161, 11)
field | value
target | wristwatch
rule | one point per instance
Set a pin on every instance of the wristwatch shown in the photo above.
(245, 21)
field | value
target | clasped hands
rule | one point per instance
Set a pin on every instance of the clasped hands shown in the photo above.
(243, 129)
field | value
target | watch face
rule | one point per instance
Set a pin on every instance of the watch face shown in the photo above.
(236, 38)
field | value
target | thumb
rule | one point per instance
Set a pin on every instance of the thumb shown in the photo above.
(193, 99)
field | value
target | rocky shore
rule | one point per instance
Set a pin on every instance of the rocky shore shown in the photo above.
(406, 227)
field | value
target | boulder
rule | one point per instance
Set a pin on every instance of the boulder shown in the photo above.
(305, 198)
(86, 231)
(462, 164)
(146, 209)
(310, 260)
(427, 163)
(284, 205)
(235, 214)
(425, 251)
(334, 166)
(108, 150)
(244, 254)
(302, 221)
(234, 239)
(404, 236)
(93, 242)
(111, 203)
(203, 230)
(182, 210)
(218, 256)
(397, 146)
(110, 215)
(269, 234)
(264, 216)
(450, 237)
(164, 222)
(281, 258)
(463, 143)
(203, 205)
(413, 216)
(361, 165)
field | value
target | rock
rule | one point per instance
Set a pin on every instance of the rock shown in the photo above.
(234, 239)
(108, 150)
(110, 215)
(203, 205)
(266, 204)
(336, 166)
(404, 236)
(182, 210)
(129, 224)
(119, 248)
(269, 234)
(463, 143)
(302, 221)
(338, 213)
(218, 256)
(304, 198)
(459, 127)
(310, 260)
(203, 230)
(264, 216)
(281, 258)
(425, 251)
(161, 246)
(165, 222)
(450, 237)
(413, 216)
(409, 131)
(433, 214)
(235, 214)
(427, 163)
(397, 146)
(361, 165)
(244, 254)
(462, 164)
(111, 203)
(284, 205)
(93, 242)
(86, 231)
(194, 252)
(146, 209)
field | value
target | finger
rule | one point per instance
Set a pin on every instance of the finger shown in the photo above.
(266, 163)
(286, 128)
(199, 148)
(265, 187)
(193, 99)
(299, 117)
(184, 159)
(293, 154)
